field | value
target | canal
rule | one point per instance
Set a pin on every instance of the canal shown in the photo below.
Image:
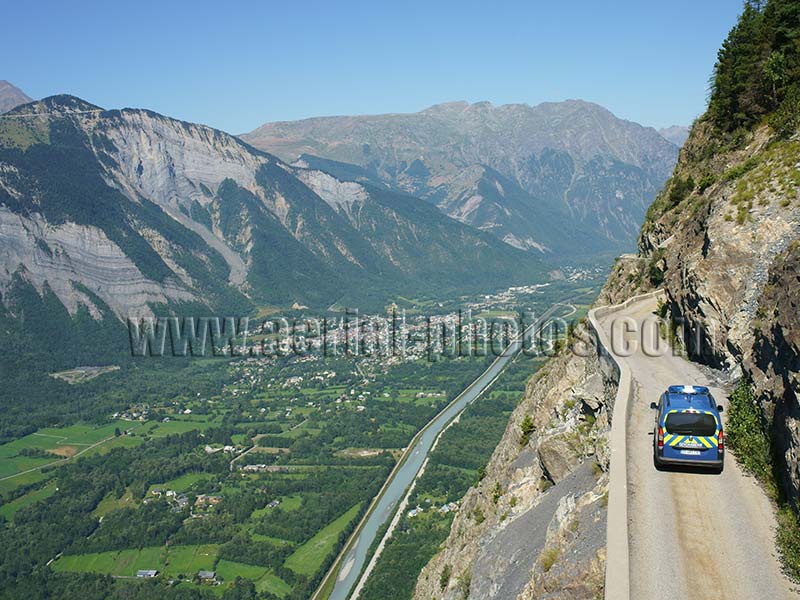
(356, 554)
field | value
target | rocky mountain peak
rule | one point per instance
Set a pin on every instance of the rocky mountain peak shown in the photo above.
(56, 106)
(444, 107)
(11, 96)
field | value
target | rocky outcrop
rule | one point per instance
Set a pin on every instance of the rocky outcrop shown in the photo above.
(717, 251)
(627, 278)
(774, 363)
(535, 525)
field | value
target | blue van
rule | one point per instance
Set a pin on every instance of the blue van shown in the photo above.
(688, 429)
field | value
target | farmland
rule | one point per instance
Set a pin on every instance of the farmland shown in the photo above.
(308, 557)
(255, 468)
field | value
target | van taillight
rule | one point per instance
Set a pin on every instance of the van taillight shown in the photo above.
(660, 438)
(721, 442)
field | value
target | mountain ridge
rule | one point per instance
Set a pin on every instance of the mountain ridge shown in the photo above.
(676, 134)
(575, 168)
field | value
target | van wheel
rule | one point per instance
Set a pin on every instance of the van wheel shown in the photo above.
(656, 462)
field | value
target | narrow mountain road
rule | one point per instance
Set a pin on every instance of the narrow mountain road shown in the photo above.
(690, 534)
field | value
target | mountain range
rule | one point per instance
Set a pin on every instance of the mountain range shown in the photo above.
(126, 212)
(122, 211)
(562, 178)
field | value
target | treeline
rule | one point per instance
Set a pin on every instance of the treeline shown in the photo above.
(758, 68)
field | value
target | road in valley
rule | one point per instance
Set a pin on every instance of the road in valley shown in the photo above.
(690, 534)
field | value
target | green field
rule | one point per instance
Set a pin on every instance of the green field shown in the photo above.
(306, 560)
(6, 485)
(188, 560)
(273, 584)
(182, 483)
(288, 503)
(59, 443)
(182, 425)
(229, 570)
(265, 580)
(111, 502)
(123, 441)
(64, 442)
(8, 510)
(175, 561)
(117, 562)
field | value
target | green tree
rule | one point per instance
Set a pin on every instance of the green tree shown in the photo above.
(736, 88)
(775, 72)
(526, 427)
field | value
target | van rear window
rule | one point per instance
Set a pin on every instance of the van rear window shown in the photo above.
(702, 424)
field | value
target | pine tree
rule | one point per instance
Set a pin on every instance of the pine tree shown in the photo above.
(758, 66)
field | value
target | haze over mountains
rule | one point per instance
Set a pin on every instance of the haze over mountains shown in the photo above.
(561, 178)
(677, 134)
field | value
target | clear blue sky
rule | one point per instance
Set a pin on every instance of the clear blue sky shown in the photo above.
(251, 62)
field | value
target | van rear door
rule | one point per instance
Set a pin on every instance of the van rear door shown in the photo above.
(692, 433)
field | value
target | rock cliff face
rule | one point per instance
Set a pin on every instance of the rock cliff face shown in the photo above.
(722, 240)
(69, 259)
(715, 247)
(543, 497)
(775, 360)
(560, 178)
